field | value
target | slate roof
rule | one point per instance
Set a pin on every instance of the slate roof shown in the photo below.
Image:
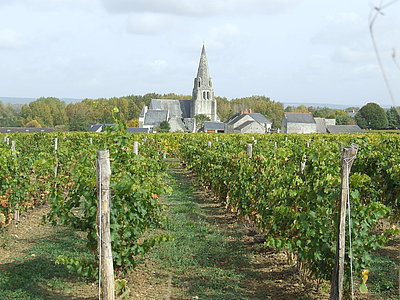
(299, 117)
(95, 128)
(235, 119)
(244, 125)
(232, 118)
(260, 118)
(344, 129)
(99, 127)
(155, 116)
(24, 129)
(176, 108)
(209, 125)
(137, 130)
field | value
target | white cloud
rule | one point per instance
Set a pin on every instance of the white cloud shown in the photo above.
(350, 55)
(344, 28)
(158, 65)
(10, 39)
(220, 37)
(199, 7)
(149, 23)
(53, 4)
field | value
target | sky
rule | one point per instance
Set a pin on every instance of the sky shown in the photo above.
(293, 51)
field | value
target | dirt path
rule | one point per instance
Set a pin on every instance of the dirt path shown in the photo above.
(213, 256)
(27, 254)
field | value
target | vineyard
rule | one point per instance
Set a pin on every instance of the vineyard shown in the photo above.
(287, 190)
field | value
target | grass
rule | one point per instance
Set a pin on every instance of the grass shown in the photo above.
(384, 275)
(32, 274)
(206, 260)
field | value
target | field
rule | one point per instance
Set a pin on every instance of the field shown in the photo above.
(195, 217)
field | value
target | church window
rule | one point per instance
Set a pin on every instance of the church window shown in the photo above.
(204, 95)
(199, 82)
(208, 95)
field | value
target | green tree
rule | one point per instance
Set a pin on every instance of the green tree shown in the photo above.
(200, 119)
(393, 118)
(49, 112)
(163, 127)
(371, 116)
(345, 120)
(8, 115)
(33, 123)
(224, 108)
(80, 115)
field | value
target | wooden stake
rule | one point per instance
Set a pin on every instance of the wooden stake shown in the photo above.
(209, 144)
(136, 147)
(348, 156)
(14, 154)
(106, 272)
(249, 150)
(90, 141)
(13, 151)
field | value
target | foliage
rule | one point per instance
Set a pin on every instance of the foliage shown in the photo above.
(345, 120)
(200, 119)
(164, 126)
(137, 181)
(393, 118)
(296, 210)
(371, 116)
(33, 123)
(299, 109)
(49, 112)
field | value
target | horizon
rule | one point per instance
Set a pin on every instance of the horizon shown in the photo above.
(27, 100)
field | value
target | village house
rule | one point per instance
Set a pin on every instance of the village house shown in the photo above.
(248, 122)
(307, 123)
(298, 123)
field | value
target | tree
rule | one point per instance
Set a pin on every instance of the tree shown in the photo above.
(345, 120)
(49, 112)
(371, 116)
(80, 115)
(164, 127)
(200, 119)
(34, 124)
(393, 118)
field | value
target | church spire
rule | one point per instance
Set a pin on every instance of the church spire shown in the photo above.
(203, 101)
(202, 72)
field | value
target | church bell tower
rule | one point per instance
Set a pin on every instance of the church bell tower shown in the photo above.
(203, 101)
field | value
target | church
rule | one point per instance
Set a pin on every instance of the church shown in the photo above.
(180, 113)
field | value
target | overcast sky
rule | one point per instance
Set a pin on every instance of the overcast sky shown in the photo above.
(289, 50)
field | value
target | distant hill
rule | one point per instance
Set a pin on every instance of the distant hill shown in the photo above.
(21, 100)
(329, 105)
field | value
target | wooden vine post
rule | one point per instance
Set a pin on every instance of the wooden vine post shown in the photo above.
(249, 150)
(14, 154)
(106, 269)
(55, 157)
(348, 156)
(136, 147)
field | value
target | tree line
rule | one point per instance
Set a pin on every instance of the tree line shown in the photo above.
(54, 113)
